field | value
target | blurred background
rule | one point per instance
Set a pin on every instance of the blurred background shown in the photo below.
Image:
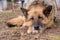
(7, 4)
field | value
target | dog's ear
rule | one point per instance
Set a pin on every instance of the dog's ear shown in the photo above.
(47, 10)
(25, 12)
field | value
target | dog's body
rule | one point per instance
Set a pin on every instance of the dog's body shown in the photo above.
(39, 16)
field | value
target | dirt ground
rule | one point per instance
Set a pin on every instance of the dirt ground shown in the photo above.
(19, 33)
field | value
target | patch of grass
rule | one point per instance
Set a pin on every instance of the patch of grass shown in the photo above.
(5, 13)
(9, 3)
(55, 37)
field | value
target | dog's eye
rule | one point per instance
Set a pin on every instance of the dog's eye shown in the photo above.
(32, 18)
(39, 17)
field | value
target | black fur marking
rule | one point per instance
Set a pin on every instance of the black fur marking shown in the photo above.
(10, 25)
(24, 12)
(47, 10)
(55, 19)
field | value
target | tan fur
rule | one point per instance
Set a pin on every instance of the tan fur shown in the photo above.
(17, 21)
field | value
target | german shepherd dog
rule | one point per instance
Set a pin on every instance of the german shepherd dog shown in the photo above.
(39, 16)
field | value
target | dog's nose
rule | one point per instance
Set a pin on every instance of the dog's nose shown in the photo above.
(36, 27)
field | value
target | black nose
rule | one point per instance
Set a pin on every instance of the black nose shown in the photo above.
(36, 27)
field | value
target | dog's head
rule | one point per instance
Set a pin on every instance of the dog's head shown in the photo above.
(38, 14)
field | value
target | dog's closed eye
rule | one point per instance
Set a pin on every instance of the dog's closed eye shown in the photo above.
(31, 18)
(39, 17)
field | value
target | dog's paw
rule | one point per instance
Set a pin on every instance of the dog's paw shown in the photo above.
(35, 31)
(29, 31)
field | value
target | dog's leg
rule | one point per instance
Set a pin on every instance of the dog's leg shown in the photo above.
(29, 29)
